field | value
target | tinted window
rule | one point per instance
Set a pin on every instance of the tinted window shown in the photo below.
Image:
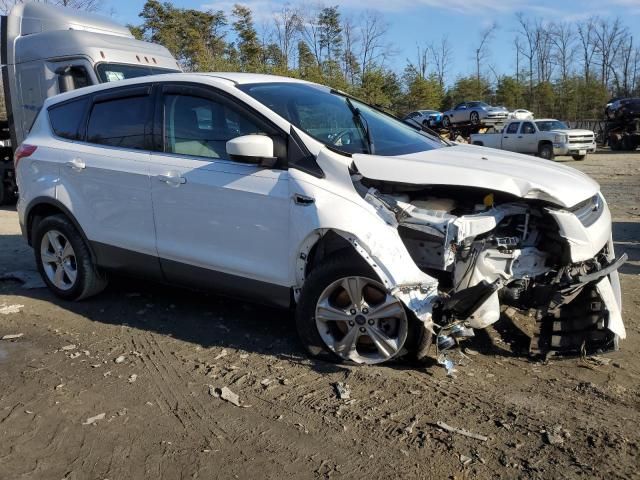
(119, 123)
(202, 127)
(547, 125)
(66, 119)
(527, 127)
(513, 127)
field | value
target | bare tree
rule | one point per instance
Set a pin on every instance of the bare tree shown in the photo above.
(419, 68)
(441, 54)
(529, 46)
(286, 28)
(586, 34)
(544, 46)
(563, 37)
(481, 50)
(609, 34)
(351, 40)
(375, 48)
(311, 31)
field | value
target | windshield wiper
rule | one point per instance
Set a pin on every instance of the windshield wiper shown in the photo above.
(363, 121)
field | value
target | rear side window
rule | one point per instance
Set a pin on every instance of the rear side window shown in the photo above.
(66, 119)
(120, 122)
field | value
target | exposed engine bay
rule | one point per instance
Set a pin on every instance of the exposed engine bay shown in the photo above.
(490, 250)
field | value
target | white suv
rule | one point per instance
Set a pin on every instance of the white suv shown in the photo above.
(293, 194)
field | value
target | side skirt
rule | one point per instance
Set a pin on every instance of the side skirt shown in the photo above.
(161, 270)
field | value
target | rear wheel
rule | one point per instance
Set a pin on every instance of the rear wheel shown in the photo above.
(579, 157)
(64, 260)
(546, 151)
(345, 314)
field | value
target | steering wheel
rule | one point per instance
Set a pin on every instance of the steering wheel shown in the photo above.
(341, 134)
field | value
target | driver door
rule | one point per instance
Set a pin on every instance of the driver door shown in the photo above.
(220, 223)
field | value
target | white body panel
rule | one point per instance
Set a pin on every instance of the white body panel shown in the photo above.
(227, 216)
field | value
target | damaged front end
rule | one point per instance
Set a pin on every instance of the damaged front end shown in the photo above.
(491, 250)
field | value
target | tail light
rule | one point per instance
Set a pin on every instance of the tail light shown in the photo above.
(23, 151)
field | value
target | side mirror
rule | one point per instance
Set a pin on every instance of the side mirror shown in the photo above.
(65, 79)
(257, 149)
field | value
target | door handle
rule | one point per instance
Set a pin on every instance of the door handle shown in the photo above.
(76, 164)
(173, 180)
(519, 136)
(505, 137)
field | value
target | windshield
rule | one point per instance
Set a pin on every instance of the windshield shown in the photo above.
(477, 104)
(327, 117)
(112, 72)
(547, 125)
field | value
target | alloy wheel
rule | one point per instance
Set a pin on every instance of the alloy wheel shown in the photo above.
(359, 321)
(58, 260)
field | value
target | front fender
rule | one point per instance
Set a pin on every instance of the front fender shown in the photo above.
(339, 208)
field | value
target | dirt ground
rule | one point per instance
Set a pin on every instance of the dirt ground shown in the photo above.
(564, 419)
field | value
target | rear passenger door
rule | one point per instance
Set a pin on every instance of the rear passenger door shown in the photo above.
(220, 223)
(105, 179)
(510, 139)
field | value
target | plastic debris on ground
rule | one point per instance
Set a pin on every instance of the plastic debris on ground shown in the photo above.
(343, 391)
(8, 309)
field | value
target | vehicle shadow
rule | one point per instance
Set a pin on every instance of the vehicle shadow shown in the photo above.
(626, 237)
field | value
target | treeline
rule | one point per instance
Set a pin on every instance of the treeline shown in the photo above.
(564, 70)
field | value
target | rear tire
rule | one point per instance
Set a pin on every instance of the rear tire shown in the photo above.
(64, 260)
(579, 158)
(401, 326)
(446, 122)
(546, 151)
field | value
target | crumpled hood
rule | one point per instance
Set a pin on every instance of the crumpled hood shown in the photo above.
(473, 166)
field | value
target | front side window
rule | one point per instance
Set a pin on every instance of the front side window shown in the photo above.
(513, 127)
(66, 118)
(112, 72)
(120, 122)
(528, 128)
(201, 127)
(328, 117)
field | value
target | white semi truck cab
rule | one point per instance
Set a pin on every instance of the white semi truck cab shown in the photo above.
(46, 50)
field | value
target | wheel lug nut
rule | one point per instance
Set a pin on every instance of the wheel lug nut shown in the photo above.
(362, 329)
(353, 311)
(351, 323)
(371, 322)
(365, 310)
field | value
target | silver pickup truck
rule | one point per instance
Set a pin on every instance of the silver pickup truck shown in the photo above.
(547, 138)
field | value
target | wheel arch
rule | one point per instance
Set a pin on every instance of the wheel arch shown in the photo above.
(42, 207)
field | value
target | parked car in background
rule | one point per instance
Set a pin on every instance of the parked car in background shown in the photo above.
(547, 138)
(623, 109)
(475, 113)
(426, 118)
(292, 194)
(521, 114)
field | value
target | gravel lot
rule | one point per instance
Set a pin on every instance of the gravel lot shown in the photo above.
(156, 418)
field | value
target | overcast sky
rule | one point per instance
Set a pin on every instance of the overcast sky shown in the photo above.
(414, 22)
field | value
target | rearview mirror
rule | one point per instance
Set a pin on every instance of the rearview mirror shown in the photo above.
(257, 149)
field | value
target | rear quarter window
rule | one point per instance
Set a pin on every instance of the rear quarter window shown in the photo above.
(66, 118)
(119, 123)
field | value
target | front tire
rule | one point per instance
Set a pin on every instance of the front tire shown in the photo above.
(546, 151)
(446, 122)
(579, 158)
(474, 118)
(345, 314)
(64, 260)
